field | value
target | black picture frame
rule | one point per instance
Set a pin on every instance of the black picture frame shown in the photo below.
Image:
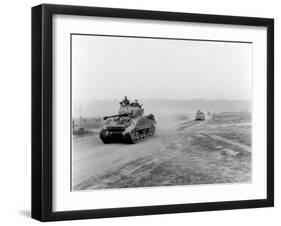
(42, 106)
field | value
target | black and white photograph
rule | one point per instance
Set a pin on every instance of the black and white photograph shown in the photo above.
(149, 112)
(140, 112)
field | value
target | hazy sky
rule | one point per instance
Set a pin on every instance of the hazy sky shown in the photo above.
(112, 67)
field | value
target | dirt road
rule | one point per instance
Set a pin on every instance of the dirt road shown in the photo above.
(91, 156)
(181, 152)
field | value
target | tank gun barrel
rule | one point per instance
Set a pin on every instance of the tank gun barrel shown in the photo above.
(113, 116)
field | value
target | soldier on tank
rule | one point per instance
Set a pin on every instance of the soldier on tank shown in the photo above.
(137, 104)
(125, 102)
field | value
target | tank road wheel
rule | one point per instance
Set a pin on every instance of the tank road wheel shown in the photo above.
(135, 136)
(142, 135)
(149, 132)
(152, 129)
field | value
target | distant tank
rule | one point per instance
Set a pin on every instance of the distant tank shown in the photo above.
(129, 125)
(80, 132)
(200, 116)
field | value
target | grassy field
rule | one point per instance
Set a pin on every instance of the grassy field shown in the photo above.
(217, 150)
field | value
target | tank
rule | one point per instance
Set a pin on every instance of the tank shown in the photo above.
(130, 125)
(80, 132)
(200, 116)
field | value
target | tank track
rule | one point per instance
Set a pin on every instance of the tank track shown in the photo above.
(134, 137)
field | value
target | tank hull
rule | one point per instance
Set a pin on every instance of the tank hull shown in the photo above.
(109, 136)
(200, 116)
(136, 130)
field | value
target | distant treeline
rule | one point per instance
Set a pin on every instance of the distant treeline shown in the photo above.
(108, 107)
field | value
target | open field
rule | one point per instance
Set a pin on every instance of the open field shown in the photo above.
(182, 152)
